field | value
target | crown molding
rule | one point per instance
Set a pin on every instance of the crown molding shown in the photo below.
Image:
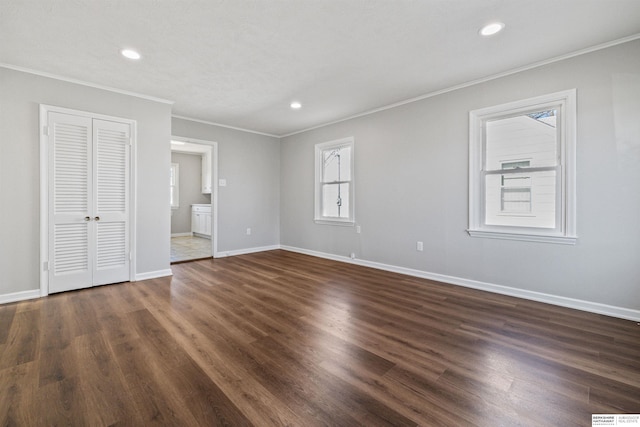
(206, 122)
(475, 82)
(85, 83)
(355, 116)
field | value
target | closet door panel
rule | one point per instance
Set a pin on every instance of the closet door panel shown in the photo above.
(70, 199)
(112, 165)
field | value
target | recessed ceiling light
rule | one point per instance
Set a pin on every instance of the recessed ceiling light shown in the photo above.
(491, 29)
(130, 53)
(296, 105)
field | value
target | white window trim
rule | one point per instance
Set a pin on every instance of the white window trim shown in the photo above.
(319, 148)
(176, 186)
(566, 232)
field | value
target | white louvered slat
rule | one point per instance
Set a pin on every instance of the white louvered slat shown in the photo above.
(70, 248)
(70, 172)
(111, 162)
(112, 247)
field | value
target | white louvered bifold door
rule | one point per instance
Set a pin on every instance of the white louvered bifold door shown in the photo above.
(70, 200)
(111, 198)
(89, 167)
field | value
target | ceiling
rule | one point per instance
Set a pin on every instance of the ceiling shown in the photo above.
(241, 63)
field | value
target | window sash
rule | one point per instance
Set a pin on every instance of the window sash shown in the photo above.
(346, 200)
(522, 171)
(558, 106)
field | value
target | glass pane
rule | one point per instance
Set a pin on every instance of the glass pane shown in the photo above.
(335, 200)
(336, 164)
(526, 139)
(521, 199)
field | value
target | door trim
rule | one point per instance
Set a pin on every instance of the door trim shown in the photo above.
(214, 187)
(43, 266)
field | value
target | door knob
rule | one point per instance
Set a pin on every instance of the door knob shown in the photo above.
(87, 218)
(97, 218)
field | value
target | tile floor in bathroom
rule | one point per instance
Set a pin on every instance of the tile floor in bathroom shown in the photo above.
(184, 248)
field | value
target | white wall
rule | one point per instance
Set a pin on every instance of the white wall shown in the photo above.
(250, 163)
(20, 96)
(411, 185)
(190, 190)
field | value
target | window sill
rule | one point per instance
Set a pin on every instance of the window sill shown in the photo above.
(342, 223)
(516, 214)
(541, 238)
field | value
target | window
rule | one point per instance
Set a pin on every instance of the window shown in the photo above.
(522, 170)
(334, 182)
(174, 185)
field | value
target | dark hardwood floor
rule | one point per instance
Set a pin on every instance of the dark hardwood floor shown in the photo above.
(278, 338)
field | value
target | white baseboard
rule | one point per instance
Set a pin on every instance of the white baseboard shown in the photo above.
(223, 254)
(593, 307)
(202, 236)
(26, 295)
(19, 296)
(154, 274)
(181, 234)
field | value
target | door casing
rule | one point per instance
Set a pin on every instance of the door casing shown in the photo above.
(214, 187)
(45, 188)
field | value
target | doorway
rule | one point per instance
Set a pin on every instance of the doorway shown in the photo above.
(193, 199)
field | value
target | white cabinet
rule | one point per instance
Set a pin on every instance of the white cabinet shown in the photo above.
(206, 172)
(201, 220)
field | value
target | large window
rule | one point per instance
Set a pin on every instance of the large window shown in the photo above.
(522, 170)
(334, 182)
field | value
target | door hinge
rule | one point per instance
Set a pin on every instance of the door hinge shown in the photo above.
(130, 256)
(45, 266)
(45, 130)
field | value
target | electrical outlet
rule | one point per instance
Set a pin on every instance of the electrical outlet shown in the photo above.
(419, 247)
(248, 231)
(353, 255)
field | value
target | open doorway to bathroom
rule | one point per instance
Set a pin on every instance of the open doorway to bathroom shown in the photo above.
(192, 200)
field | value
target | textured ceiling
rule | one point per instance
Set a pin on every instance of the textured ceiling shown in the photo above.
(240, 63)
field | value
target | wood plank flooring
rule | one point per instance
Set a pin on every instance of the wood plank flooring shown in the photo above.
(278, 338)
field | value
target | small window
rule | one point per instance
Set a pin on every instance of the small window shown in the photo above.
(174, 185)
(522, 170)
(334, 182)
